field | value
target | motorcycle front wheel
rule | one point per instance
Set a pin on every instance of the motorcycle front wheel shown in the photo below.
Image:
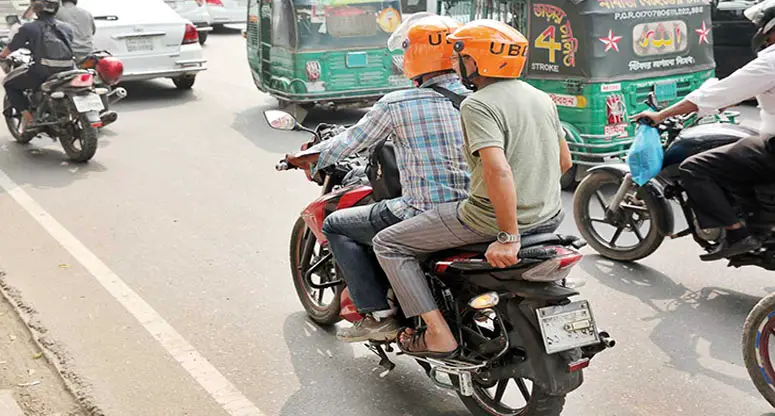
(81, 144)
(621, 236)
(322, 305)
(759, 347)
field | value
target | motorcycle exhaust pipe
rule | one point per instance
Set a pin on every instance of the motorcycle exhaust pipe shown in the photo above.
(117, 95)
(606, 340)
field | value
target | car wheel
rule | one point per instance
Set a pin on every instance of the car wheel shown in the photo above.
(184, 82)
(202, 38)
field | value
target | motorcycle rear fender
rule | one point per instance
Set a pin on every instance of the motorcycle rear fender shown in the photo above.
(502, 282)
(549, 371)
(653, 187)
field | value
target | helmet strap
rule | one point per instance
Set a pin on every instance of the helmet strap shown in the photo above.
(465, 78)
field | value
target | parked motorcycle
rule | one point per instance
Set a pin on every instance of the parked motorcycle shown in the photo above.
(608, 198)
(758, 341)
(66, 108)
(517, 326)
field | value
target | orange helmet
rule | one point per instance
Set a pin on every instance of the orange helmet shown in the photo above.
(498, 49)
(424, 41)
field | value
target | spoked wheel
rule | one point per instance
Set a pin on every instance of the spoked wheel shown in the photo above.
(14, 122)
(511, 397)
(630, 234)
(759, 347)
(322, 305)
(81, 144)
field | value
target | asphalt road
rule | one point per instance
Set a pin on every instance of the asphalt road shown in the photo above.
(182, 204)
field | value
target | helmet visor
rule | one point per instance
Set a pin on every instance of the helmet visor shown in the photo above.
(396, 40)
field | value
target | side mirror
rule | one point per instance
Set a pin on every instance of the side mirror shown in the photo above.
(12, 19)
(280, 120)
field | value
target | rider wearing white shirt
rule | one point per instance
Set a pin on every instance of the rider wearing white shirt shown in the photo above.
(739, 166)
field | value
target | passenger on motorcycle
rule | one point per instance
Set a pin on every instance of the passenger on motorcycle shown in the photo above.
(50, 43)
(739, 166)
(516, 151)
(427, 140)
(82, 24)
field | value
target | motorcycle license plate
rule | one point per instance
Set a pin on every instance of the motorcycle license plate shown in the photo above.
(565, 327)
(86, 103)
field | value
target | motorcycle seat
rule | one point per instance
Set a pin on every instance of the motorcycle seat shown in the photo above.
(527, 241)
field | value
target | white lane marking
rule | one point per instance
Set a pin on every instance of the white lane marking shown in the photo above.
(219, 388)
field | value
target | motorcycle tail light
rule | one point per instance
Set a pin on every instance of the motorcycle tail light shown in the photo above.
(83, 80)
(214, 3)
(556, 268)
(313, 71)
(191, 36)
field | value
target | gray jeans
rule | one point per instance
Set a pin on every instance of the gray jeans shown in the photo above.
(397, 248)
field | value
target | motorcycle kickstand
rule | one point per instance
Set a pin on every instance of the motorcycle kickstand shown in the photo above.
(384, 361)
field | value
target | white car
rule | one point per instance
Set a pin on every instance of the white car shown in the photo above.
(196, 12)
(150, 39)
(227, 11)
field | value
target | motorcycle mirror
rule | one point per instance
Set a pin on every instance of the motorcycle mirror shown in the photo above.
(11, 19)
(280, 120)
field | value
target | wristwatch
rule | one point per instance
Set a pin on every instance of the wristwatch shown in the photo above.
(506, 238)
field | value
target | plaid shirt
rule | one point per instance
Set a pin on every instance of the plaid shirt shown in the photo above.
(428, 144)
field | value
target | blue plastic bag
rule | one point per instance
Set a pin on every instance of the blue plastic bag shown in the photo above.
(645, 155)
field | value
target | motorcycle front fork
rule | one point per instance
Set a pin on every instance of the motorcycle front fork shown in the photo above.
(624, 187)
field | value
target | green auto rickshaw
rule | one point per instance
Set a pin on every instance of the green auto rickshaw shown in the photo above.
(331, 53)
(599, 59)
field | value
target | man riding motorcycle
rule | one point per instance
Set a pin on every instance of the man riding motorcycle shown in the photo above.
(427, 141)
(516, 151)
(737, 167)
(82, 23)
(50, 43)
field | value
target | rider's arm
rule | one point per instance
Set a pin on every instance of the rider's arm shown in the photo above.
(374, 126)
(486, 141)
(19, 40)
(566, 161)
(752, 79)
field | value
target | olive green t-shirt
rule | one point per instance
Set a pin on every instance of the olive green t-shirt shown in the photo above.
(523, 121)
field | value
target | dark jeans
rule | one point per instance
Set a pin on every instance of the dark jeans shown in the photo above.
(349, 232)
(712, 176)
(16, 82)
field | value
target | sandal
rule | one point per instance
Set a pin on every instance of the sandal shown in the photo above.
(415, 346)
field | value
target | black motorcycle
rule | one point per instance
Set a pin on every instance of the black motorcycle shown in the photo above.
(518, 328)
(626, 222)
(66, 107)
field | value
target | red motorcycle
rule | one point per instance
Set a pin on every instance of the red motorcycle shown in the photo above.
(517, 326)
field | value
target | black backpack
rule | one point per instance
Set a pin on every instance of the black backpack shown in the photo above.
(382, 169)
(54, 50)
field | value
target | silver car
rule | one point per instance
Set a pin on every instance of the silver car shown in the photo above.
(196, 12)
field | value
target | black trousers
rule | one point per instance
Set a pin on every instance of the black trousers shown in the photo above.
(25, 78)
(711, 177)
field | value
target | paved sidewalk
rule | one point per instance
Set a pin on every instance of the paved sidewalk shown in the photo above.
(29, 385)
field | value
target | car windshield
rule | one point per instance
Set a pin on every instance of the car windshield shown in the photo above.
(346, 24)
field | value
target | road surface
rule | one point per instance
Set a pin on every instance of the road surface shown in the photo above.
(159, 276)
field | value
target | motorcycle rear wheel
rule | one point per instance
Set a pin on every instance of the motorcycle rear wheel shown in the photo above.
(629, 219)
(538, 403)
(82, 145)
(320, 311)
(14, 123)
(758, 337)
